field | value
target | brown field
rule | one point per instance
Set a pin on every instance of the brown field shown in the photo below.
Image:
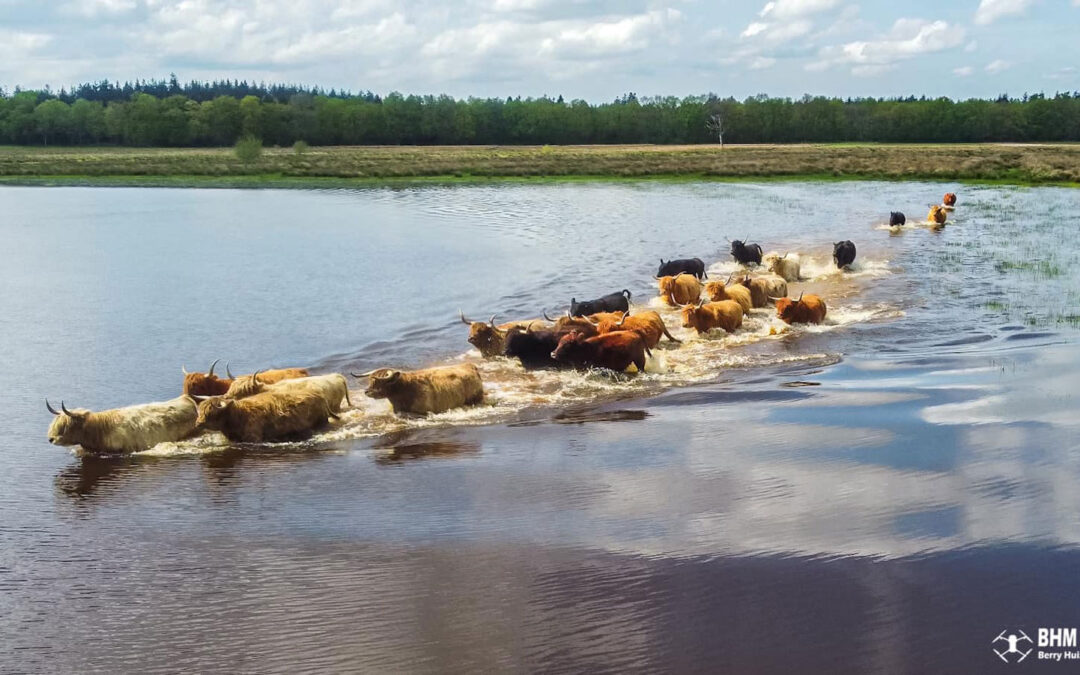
(1019, 163)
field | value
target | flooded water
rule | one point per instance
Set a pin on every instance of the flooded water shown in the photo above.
(886, 492)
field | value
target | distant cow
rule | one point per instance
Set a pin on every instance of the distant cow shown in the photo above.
(762, 288)
(843, 253)
(648, 325)
(718, 291)
(705, 316)
(674, 268)
(613, 302)
(122, 430)
(679, 290)
(421, 392)
(896, 219)
(949, 199)
(333, 388)
(267, 416)
(937, 214)
(805, 309)
(784, 267)
(745, 254)
(614, 351)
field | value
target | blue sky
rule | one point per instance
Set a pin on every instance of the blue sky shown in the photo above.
(593, 50)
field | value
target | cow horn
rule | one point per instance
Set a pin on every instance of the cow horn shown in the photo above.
(367, 374)
(210, 373)
(568, 315)
(800, 299)
(183, 370)
(255, 377)
(47, 405)
(229, 372)
(590, 320)
(197, 397)
(784, 257)
(701, 302)
(622, 320)
(463, 319)
(773, 300)
(729, 278)
(491, 321)
(66, 411)
(546, 317)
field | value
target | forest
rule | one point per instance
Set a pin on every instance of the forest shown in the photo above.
(199, 114)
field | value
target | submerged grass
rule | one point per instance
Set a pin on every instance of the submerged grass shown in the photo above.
(1057, 164)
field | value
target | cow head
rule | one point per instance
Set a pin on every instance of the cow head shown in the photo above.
(950, 199)
(896, 218)
(487, 337)
(788, 309)
(666, 285)
(211, 412)
(382, 383)
(572, 348)
(248, 386)
(205, 384)
(67, 428)
(693, 317)
(745, 281)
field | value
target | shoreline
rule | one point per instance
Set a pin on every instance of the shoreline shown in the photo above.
(388, 166)
(279, 182)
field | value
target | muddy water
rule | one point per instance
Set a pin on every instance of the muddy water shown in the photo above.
(885, 492)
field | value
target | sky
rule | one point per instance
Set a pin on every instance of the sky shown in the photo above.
(590, 49)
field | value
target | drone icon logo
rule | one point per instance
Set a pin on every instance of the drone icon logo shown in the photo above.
(1013, 642)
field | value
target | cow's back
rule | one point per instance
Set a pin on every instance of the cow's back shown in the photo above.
(141, 427)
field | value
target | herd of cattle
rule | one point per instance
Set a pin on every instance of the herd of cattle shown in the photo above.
(602, 333)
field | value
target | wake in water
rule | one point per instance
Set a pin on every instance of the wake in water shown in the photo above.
(512, 393)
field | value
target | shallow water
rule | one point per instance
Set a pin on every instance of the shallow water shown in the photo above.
(884, 492)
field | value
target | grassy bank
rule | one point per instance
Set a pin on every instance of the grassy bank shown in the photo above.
(345, 166)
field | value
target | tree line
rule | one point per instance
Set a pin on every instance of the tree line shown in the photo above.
(166, 113)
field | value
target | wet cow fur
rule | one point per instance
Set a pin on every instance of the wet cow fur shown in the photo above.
(124, 430)
(612, 302)
(745, 254)
(804, 309)
(673, 268)
(267, 416)
(433, 390)
(614, 351)
(843, 253)
(725, 314)
(679, 290)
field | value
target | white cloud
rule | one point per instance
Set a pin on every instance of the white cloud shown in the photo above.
(992, 10)
(964, 71)
(1066, 73)
(907, 39)
(790, 9)
(997, 66)
(14, 43)
(755, 28)
(762, 62)
(971, 46)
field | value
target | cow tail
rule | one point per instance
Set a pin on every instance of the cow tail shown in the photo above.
(670, 336)
(348, 401)
(625, 291)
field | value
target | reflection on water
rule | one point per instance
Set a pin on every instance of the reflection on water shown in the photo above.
(880, 495)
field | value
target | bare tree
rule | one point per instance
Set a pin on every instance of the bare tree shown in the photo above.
(716, 125)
